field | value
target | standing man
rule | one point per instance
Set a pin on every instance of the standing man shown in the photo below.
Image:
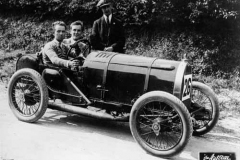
(76, 30)
(55, 52)
(107, 32)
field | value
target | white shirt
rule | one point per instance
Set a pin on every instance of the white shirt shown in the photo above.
(72, 41)
(109, 18)
(57, 42)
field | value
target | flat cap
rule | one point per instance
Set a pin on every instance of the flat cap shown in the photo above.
(102, 3)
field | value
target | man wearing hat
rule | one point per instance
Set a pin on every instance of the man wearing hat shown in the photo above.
(107, 32)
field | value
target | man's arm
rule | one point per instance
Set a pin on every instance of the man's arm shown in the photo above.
(53, 56)
(95, 37)
(120, 42)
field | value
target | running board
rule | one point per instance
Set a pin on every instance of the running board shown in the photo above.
(85, 112)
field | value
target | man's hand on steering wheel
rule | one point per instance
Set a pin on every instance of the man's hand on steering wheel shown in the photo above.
(73, 63)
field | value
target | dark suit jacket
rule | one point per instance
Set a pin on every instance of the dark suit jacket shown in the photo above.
(103, 36)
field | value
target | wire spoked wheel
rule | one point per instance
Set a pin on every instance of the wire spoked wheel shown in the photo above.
(161, 124)
(28, 95)
(205, 108)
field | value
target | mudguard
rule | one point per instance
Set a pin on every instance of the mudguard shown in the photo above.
(28, 61)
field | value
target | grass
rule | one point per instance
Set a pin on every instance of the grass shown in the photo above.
(7, 63)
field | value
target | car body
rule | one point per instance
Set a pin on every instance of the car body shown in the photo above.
(154, 95)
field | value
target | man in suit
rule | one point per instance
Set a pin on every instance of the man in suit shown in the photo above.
(107, 32)
(55, 52)
(76, 30)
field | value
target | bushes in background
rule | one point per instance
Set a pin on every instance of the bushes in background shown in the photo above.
(203, 51)
(206, 31)
(133, 12)
(45, 9)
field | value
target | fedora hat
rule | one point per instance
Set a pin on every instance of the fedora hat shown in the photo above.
(102, 3)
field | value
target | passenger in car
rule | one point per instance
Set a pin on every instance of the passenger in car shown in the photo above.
(76, 31)
(55, 51)
(107, 32)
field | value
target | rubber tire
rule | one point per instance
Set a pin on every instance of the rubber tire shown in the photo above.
(37, 78)
(175, 103)
(213, 98)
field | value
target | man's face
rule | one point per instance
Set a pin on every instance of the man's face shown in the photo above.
(76, 32)
(59, 32)
(107, 10)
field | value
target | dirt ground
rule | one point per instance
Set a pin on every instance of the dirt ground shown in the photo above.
(229, 121)
(228, 126)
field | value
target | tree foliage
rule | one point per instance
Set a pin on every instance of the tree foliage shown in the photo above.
(208, 31)
(132, 12)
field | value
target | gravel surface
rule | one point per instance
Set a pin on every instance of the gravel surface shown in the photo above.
(3, 90)
(227, 128)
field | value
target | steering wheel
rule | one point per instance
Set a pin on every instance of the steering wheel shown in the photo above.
(85, 51)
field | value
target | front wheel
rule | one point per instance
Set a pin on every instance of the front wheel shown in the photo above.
(161, 124)
(27, 95)
(205, 108)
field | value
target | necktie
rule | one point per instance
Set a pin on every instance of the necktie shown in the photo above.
(108, 21)
(60, 46)
(108, 30)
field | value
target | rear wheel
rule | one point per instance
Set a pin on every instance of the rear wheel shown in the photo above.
(161, 124)
(205, 108)
(27, 95)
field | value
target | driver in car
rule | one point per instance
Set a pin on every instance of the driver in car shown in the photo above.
(55, 51)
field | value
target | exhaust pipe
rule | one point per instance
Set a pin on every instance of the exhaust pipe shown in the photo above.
(85, 112)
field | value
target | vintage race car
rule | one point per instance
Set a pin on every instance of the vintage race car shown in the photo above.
(158, 97)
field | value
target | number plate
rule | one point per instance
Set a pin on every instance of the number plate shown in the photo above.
(187, 87)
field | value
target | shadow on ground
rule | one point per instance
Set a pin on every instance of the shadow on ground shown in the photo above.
(118, 130)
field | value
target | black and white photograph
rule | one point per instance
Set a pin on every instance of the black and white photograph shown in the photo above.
(119, 80)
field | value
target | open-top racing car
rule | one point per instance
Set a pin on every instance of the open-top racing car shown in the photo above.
(158, 97)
